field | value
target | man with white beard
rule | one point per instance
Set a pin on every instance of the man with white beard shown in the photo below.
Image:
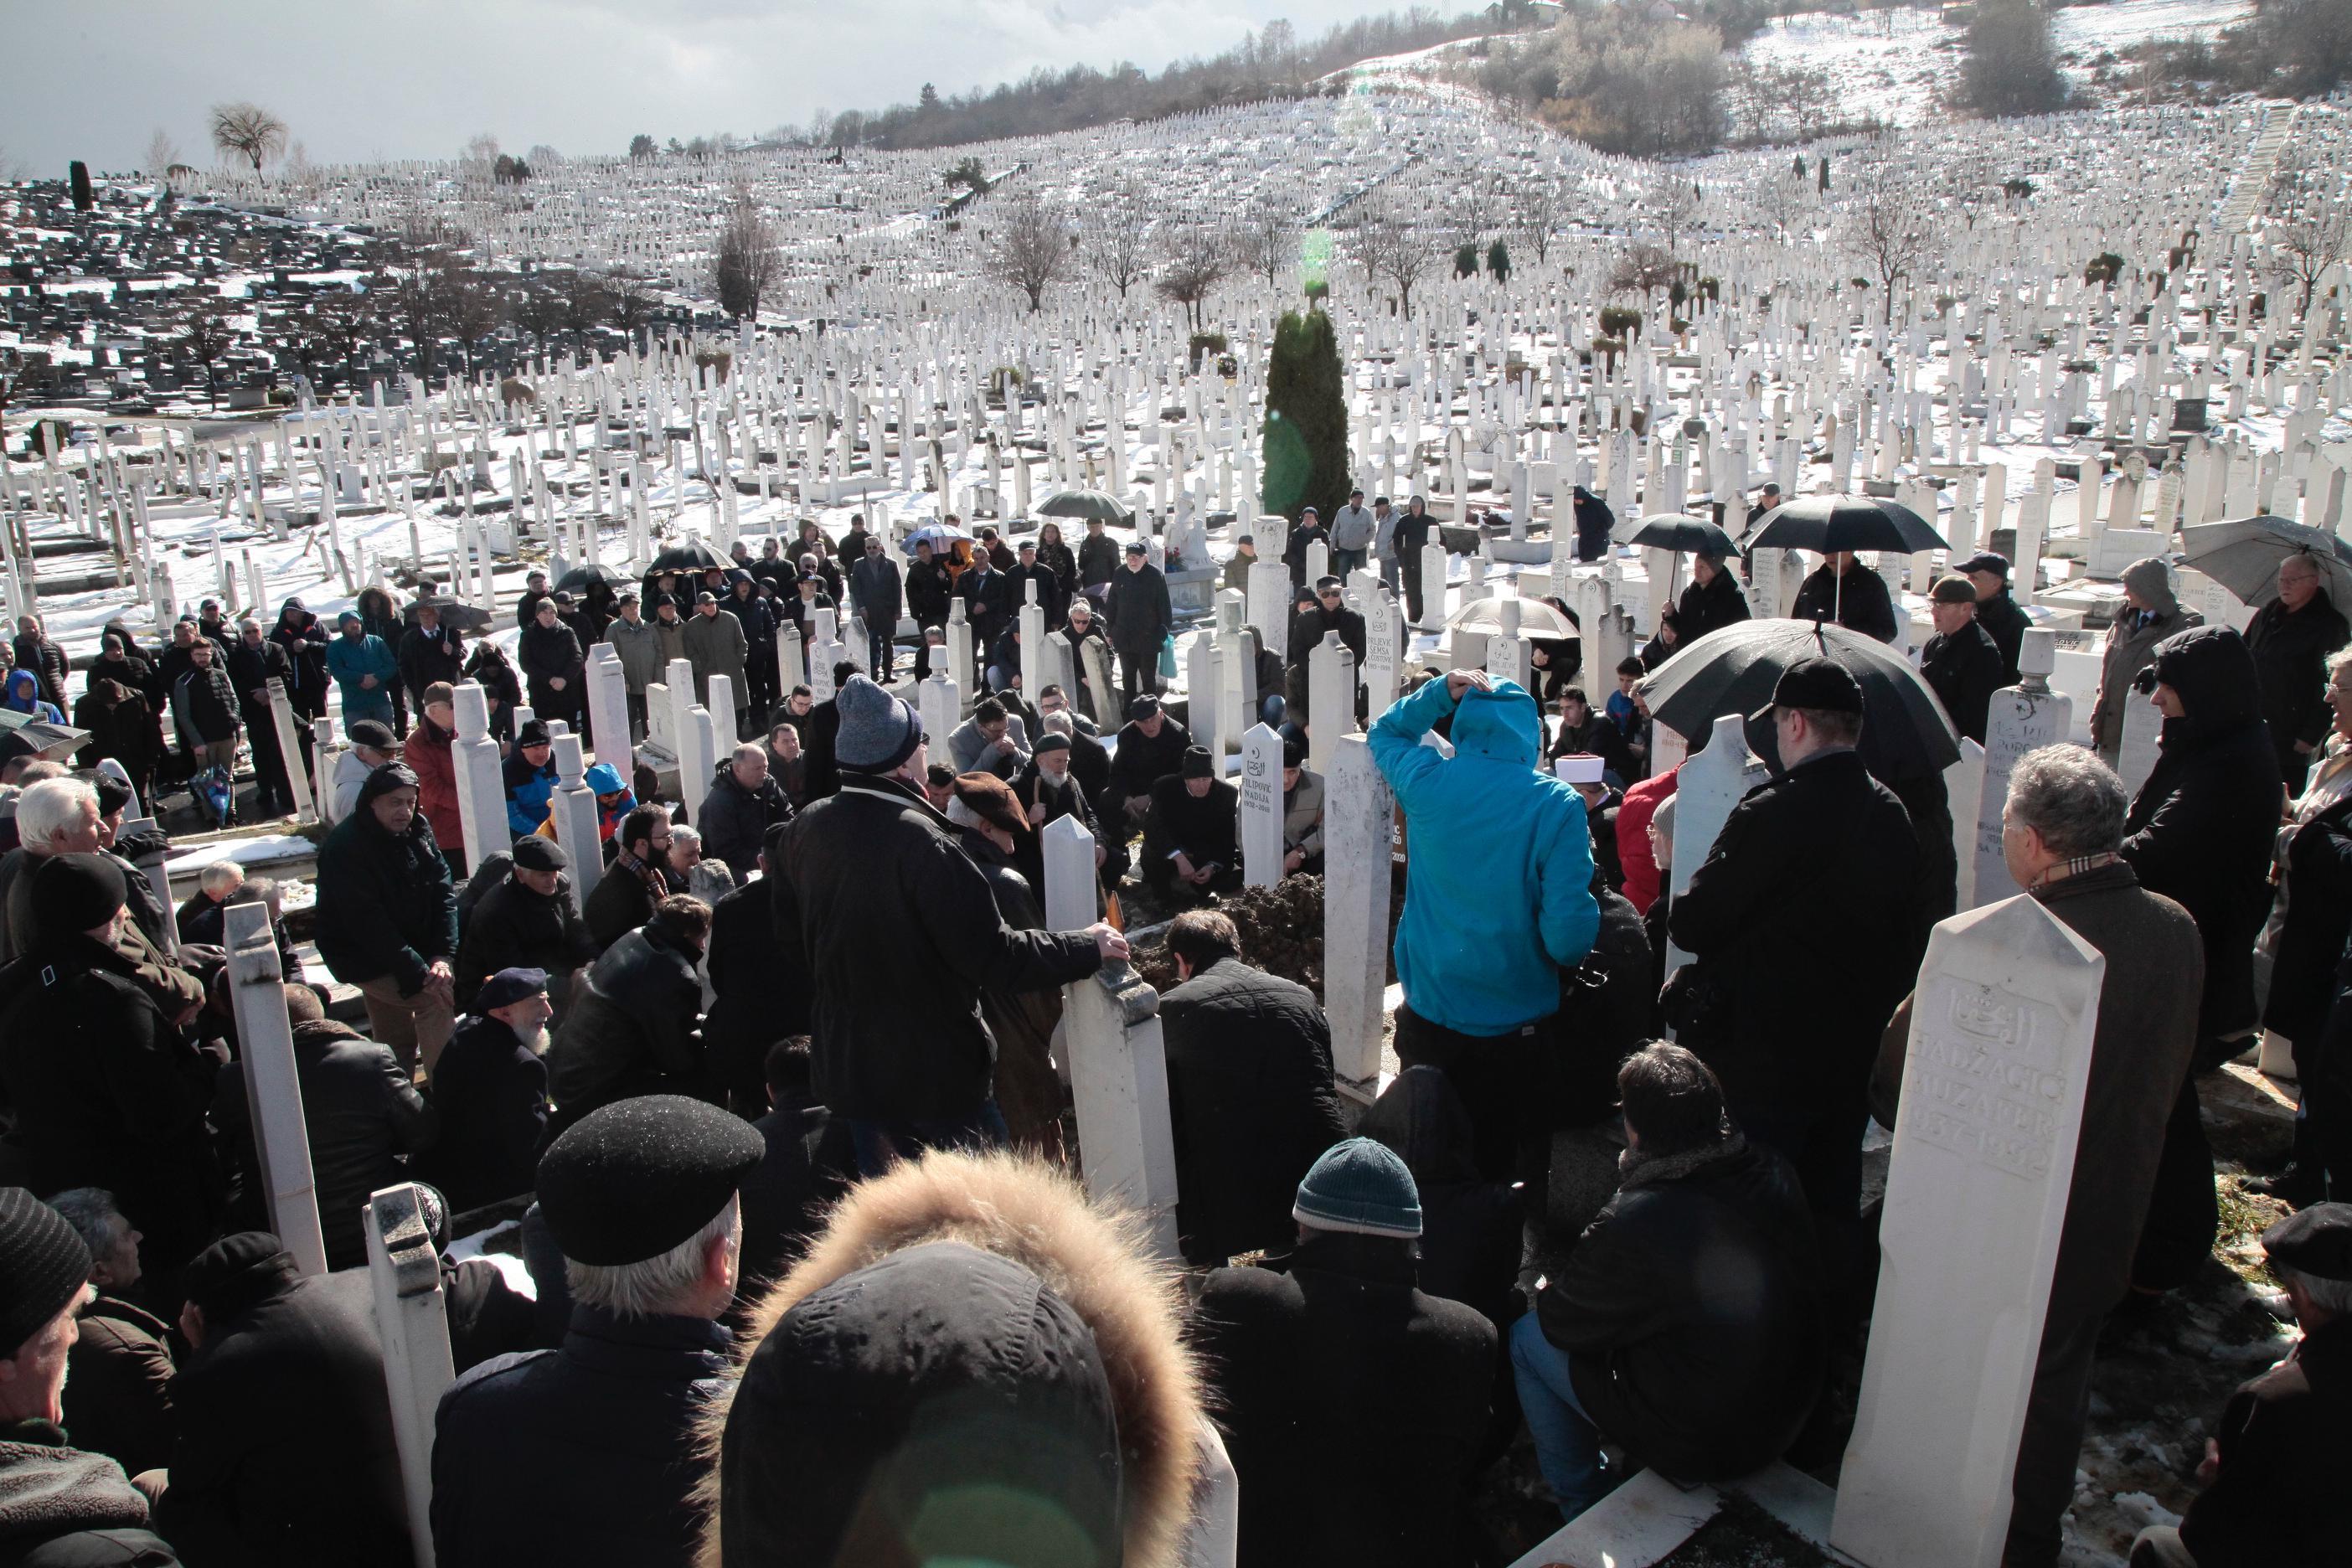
(491, 1087)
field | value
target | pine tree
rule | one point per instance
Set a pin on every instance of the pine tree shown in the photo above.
(1306, 440)
(1825, 171)
(1499, 262)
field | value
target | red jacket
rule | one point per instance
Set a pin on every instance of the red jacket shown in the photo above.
(426, 753)
(1642, 803)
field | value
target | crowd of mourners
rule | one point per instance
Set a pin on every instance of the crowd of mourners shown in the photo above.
(781, 1103)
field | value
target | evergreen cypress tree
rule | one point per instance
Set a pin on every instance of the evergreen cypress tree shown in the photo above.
(1498, 261)
(1305, 458)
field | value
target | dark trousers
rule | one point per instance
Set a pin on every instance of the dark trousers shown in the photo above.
(1139, 672)
(2182, 1212)
(1821, 1141)
(2042, 1486)
(882, 1145)
(273, 792)
(1493, 1074)
(881, 651)
(637, 715)
(1411, 574)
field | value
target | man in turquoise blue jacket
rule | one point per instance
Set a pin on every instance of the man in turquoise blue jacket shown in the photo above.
(365, 669)
(1498, 899)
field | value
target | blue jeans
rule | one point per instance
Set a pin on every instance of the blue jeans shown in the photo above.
(1568, 1445)
(882, 1145)
(1345, 560)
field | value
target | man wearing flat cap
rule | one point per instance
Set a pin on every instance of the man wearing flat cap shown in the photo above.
(57, 1503)
(1191, 847)
(1960, 663)
(490, 1090)
(2274, 1468)
(873, 887)
(527, 920)
(1815, 864)
(583, 1455)
(285, 1451)
(2000, 613)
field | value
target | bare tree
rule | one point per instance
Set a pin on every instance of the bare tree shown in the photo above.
(163, 154)
(248, 131)
(1888, 226)
(1197, 262)
(1266, 238)
(341, 323)
(1540, 212)
(1032, 248)
(1117, 239)
(427, 259)
(630, 300)
(1390, 248)
(747, 263)
(473, 306)
(2311, 220)
(1678, 213)
(1642, 270)
(204, 338)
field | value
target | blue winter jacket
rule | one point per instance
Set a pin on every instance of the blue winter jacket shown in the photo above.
(1498, 887)
(348, 661)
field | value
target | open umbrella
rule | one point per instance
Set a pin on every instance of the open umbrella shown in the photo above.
(690, 555)
(1843, 522)
(580, 579)
(50, 743)
(454, 613)
(937, 535)
(1905, 733)
(1084, 504)
(1673, 531)
(1537, 619)
(2244, 556)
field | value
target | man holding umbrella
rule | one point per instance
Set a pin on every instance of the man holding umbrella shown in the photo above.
(1711, 601)
(2291, 638)
(1841, 589)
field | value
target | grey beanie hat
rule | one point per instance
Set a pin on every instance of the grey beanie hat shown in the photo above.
(878, 731)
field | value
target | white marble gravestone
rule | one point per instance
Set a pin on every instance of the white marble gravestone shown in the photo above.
(1260, 784)
(2023, 718)
(1359, 837)
(412, 1324)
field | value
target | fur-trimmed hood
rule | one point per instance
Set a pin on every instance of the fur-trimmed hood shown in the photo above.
(1097, 1262)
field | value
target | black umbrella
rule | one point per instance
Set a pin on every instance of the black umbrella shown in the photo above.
(1905, 733)
(1677, 533)
(693, 556)
(580, 579)
(454, 614)
(1844, 522)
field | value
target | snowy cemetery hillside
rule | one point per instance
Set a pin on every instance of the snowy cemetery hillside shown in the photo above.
(2065, 337)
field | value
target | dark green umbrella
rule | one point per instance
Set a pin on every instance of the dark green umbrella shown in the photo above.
(1905, 733)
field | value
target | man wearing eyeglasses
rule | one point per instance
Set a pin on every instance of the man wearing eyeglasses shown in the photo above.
(1327, 614)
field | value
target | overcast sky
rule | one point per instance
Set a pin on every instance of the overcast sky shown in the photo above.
(415, 78)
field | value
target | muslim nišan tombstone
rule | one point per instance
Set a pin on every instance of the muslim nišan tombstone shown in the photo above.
(1261, 806)
(2023, 718)
(1991, 1104)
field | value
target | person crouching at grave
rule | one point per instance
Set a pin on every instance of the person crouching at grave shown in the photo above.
(1250, 1095)
(585, 1454)
(2201, 832)
(632, 1027)
(527, 921)
(2274, 1471)
(371, 745)
(873, 889)
(387, 916)
(1482, 939)
(59, 1504)
(285, 1451)
(1819, 860)
(636, 881)
(1191, 847)
(1357, 1405)
(992, 741)
(615, 801)
(2061, 826)
(529, 774)
(973, 1363)
(1302, 808)
(1150, 746)
(1636, 1342)
(490, 1092)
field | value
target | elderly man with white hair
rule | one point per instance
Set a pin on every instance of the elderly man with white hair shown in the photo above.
(60, 816)
(2291, 638)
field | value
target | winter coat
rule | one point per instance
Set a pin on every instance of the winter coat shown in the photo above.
(2006, 619)
(987, 603)
(758, 617)
(1203, 830)
(1709, 606)
(874, 888)
(640, 651)
(133, 669)
(385, 904)
(1137, 609)
(631, 1026)
(426, 657)
(1863, 605)
(285, 1453)
(351, 660)
(117, 1390)
(1140, 760)
(2286, 1445)
(251, 667)
(204, 704)
(120, 726)
(715, 645)
(345, 783)
(1643, 872)
(1607, 1007)
(1483, 931)
(1251, 1098)
(516, 927)
(670, 644)
(46, 661)
(2202, 827)
(881, 592)
(1339, 1464)
(1820, 859)
(1963, 669)
(105, 1093)
(304, 638)
(928, 591)
(490, 1092)
(1470, 1230)
(1294, 548)
(65, 1507)
(546, 655)
(1351, 527)
(967, 747)
(429, 753)
(1236, 571)
(1595, 521)
(578, 1455)
(2130, 643)
(809, 1164)
(2290, 650)
(1700, 1382)
(760, 992)
(2312, 938)
(531, 791)
(619, 903)
(1302, 814)
(2140, 1054)
(1307, 632)
(361, 1112)
(1050, 599)
(734, 820)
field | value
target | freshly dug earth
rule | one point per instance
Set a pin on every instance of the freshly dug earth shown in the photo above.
(1281, 930)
